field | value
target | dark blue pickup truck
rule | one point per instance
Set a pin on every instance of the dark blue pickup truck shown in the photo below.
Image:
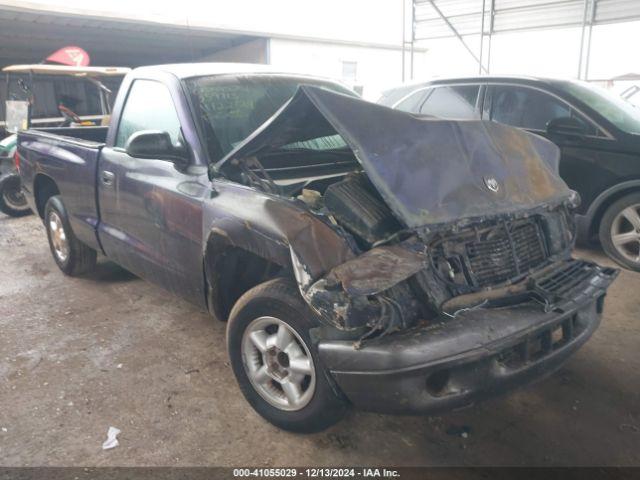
(360, 254)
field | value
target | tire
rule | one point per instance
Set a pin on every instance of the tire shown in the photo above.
(320, 404)
(12, 201)
(71, 255)
(621, 223)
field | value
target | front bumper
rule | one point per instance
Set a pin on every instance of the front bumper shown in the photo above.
(476, 355)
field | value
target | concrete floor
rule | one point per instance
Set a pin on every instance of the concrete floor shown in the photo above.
(80, 355)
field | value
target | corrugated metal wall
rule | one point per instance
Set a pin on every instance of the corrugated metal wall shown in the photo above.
(513, 15)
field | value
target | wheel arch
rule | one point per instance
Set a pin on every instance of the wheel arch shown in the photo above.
(44, 187)
(234, 250)
(603, 201)
(286, 241)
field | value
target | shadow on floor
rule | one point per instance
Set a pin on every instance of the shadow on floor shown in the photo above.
(109, 272)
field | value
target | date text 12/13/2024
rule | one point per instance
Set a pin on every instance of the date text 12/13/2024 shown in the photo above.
(316, 472)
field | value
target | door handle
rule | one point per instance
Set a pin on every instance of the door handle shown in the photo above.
(106, 178)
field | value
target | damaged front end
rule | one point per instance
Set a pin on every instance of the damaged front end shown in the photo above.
(491, 263)
(371, 290)
(442, 217)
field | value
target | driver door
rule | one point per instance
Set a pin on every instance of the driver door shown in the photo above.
(150, 211)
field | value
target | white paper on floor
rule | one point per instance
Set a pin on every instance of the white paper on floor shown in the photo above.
(112, 440)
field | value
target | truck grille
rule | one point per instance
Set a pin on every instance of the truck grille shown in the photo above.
(505, 252)
(492, 255)
(562, 281)
(571, 282)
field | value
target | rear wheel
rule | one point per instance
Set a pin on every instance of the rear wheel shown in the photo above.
(275, 362)
(620, 231)
(12, 200)
(71, 255)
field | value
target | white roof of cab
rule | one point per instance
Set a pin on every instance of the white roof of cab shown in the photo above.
(68, 70)
(199, 69)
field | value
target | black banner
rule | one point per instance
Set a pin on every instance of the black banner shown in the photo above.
(404, 473)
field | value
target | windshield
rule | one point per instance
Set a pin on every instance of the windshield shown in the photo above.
(230, 108)
(622, 114)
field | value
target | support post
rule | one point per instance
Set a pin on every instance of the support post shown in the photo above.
(588, 53)
(455, 32)
(404, 37)
(588, 19)
(413, 34)
(481, 36)
(491, 15)
(582, 31)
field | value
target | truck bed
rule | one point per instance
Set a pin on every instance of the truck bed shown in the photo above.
(90, 136)
(69, 157)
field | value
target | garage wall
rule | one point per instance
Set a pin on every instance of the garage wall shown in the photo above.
(373, 69)
(374, 21)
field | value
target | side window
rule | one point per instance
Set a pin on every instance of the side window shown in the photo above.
(148, 107)
(412, 102)
(457, 101)
(530, 108)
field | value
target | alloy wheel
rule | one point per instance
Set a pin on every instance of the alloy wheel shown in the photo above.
(625, 233)
(58, 237)
(278, 363)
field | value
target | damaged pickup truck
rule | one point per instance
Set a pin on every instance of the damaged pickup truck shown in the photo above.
(361, 255)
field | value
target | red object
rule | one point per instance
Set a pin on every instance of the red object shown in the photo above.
(71, 55)
(16, 160)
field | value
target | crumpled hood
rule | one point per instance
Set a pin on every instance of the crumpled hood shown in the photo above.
(427, 169)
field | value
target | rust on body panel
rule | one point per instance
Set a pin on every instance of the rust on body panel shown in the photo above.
(317, 245)
(377, 270)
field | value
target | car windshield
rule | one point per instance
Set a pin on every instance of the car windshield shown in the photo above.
(622, 114)
(229, 108)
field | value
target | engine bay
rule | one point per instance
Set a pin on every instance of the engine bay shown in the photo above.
(356, 206)
(405, 275)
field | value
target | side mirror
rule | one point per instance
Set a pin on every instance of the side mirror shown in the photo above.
(566, 126)
(156, 145)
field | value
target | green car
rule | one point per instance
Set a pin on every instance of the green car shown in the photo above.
(12, 201)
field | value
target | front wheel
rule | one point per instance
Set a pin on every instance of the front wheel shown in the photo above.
(71, 255)
(620, 231)
(12, 200)
(275, 362)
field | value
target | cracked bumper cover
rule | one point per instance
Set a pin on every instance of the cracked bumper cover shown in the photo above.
(456, 362)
